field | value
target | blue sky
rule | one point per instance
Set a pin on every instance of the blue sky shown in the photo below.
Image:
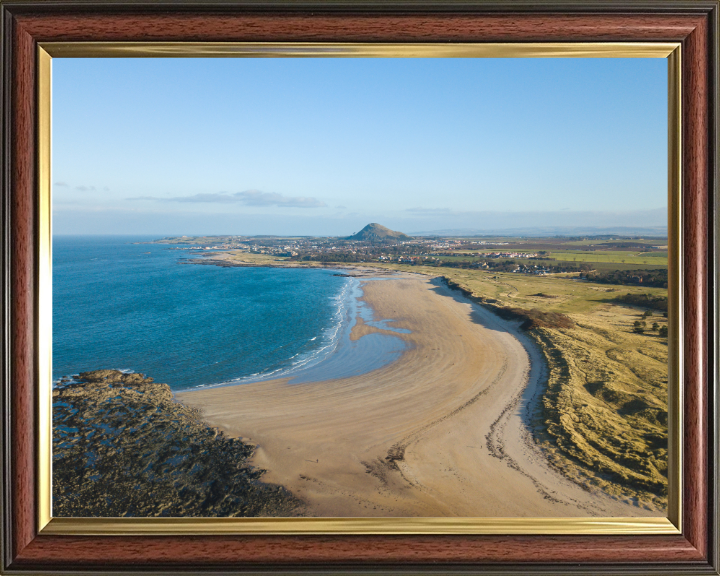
(324, 146)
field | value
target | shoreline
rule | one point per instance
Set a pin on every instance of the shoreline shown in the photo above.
(345, 353)
(441, 431)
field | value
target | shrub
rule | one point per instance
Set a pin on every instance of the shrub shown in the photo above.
(535, 318)
(645, 300)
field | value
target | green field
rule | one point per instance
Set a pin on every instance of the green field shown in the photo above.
(620, 259)
(614, 256)
(610, 266)
(601, 242)
(602, 266)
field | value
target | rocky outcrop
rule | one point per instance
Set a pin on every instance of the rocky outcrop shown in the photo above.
(123, 447)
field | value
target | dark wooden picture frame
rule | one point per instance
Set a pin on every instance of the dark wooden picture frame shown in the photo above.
(692, 23)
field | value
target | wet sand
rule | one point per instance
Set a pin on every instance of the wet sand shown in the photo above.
(439, 432)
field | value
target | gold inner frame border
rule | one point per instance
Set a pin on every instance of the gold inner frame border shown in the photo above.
(381, 526)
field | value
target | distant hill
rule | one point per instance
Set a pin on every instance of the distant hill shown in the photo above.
(378, 233)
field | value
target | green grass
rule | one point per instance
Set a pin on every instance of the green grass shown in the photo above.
(650, 264)
(609, 266)
(596, 242)
(507, 249)
(614, 256)
(605, 260)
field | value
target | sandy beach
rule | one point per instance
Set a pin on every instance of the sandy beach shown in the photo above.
(442, 431)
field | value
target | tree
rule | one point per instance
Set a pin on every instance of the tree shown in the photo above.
(638, 327)
(663, 331)
(655, 326)
(647, 314)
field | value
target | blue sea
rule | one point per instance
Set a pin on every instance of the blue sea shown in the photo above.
(122, 304)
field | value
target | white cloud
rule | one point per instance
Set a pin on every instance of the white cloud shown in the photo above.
(248, 198)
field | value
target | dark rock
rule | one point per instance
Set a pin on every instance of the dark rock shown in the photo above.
(123, 447)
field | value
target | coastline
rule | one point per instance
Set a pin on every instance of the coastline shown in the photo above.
(343, 353)
(231, 259)
(441, 431)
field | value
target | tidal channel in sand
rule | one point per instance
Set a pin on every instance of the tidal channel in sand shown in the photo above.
(438, 432)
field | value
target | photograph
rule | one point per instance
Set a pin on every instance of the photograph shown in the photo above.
(303, 287)
(360, 287)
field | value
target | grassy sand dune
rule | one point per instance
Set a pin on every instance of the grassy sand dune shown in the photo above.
(603, 419)
(606, 404)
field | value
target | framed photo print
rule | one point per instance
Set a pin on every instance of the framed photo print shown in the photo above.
(359, 287)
